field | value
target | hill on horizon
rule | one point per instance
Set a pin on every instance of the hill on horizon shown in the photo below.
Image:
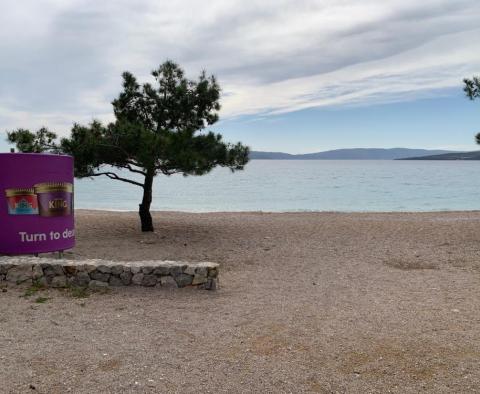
(352, 154)
(474, 155)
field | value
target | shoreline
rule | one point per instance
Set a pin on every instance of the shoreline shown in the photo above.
(277, 212)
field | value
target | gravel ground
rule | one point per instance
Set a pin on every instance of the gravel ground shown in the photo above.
(309, 302)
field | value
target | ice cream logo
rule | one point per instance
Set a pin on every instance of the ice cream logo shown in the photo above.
(45, 199)
(22, 201)
(54, 198)
(58, 204)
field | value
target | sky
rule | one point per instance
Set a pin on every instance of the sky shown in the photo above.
(297, 76)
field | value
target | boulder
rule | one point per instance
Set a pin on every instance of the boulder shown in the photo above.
(149, 280)
(115, 281)
(19, 274)
(99, 276)
(117, 270)
(97, 285)
(58, 281)
(183, 280)
(137, 279)
(126, 278)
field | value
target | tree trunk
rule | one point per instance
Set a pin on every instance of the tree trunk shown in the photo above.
(144, 207)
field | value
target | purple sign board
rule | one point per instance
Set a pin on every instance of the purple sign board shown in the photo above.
(36, 203)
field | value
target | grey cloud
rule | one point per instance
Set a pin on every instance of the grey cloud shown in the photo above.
(69, 62)
(388, 36)
(50, 73)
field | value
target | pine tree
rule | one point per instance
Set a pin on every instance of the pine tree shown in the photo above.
(158, 129)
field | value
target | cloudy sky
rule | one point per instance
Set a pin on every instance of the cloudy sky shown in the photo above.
(297, 75)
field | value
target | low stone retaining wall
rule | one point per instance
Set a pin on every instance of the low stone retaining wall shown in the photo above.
(102, 273)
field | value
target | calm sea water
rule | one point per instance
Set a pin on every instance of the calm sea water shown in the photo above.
(323, 185)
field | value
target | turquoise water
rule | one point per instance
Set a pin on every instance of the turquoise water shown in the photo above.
(281, 185)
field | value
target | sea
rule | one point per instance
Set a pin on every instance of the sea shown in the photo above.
(300, 186)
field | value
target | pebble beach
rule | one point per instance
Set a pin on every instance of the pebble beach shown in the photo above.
(306, 303)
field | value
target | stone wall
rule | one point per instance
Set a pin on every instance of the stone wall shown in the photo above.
(102, 273)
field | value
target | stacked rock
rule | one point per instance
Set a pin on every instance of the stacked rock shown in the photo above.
(102, 273)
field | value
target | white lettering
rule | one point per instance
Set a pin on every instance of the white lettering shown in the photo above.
(54, 235)
(32, 237)
(68, 233)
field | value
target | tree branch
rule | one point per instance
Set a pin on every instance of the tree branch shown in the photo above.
(130, 168)
(112, 175)
(133, 163)
(171, 172)
(47, 146)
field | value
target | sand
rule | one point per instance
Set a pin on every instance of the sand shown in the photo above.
(309, 302)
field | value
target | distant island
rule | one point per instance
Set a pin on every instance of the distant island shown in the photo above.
(359, 154)
(448, 156)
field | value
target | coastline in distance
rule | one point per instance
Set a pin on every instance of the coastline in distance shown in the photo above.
(355, 154)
